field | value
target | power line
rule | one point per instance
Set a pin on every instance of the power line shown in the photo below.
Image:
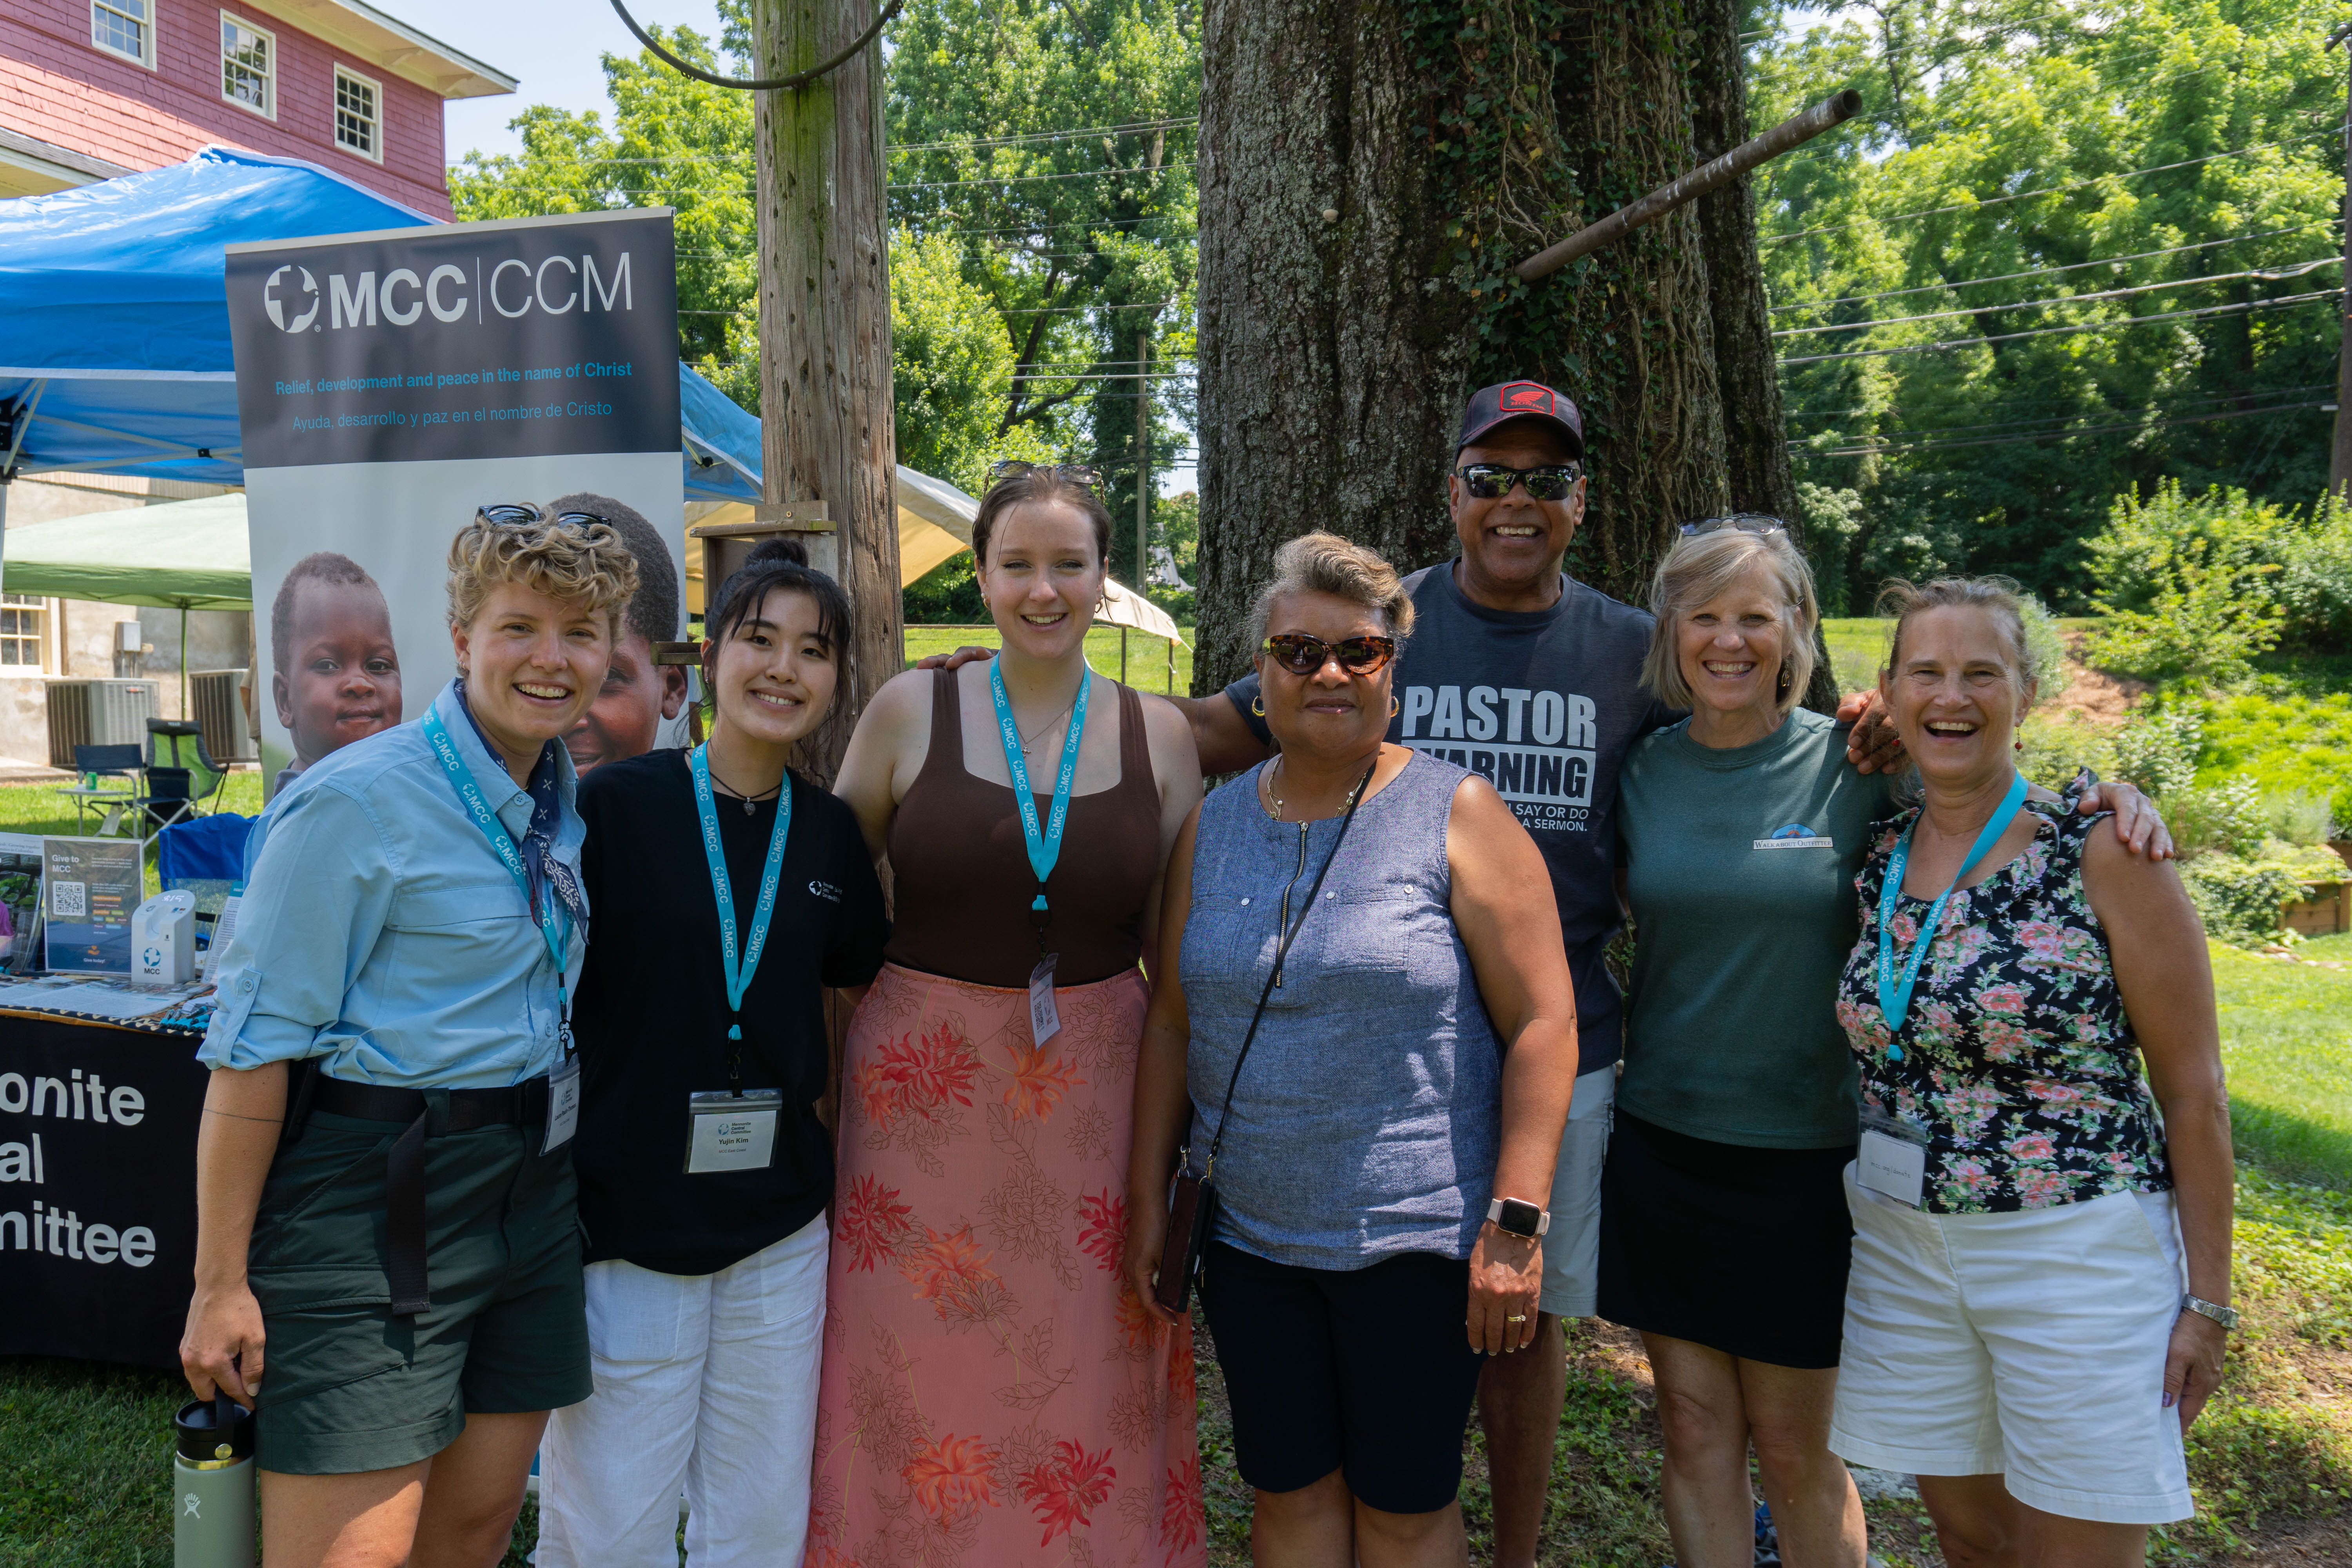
(1032, 179)
(2059, 434)
(1132, 128)
(2052, 190)
(2043, 403)
(2247, 307)
(2046, 271)
(2292, 269)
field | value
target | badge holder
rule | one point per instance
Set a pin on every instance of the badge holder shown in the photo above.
(1892, 1157)
(563, 1082)
(731, 1130)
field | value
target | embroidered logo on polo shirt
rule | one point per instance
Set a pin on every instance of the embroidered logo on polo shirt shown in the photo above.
(825, 890)
(1796, 835)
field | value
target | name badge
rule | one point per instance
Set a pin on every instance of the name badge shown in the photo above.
(1895, 1167)
(563, 1104)
(1044, 1021)
(731, 1131)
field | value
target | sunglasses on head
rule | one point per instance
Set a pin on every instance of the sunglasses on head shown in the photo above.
(508, 514)
(1745, 522)
(1549, 482)
(1073, 473)
(1302, 654)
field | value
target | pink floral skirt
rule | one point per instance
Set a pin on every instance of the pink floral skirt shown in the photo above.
(993, 1395)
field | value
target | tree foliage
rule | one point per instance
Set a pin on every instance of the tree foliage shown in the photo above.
(1024, 264)
(2068, 140)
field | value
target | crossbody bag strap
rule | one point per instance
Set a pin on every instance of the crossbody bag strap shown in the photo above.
(1281, 952)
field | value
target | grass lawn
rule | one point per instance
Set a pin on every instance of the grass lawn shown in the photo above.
(1147, 656)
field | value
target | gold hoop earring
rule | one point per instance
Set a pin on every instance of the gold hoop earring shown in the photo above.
(1257, 705)
(1393, 706)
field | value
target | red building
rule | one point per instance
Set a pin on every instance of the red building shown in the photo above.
(91, 88)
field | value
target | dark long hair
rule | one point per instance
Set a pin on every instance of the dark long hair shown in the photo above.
(775, 564)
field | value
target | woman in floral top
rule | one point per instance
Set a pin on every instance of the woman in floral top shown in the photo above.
(2028, 1203)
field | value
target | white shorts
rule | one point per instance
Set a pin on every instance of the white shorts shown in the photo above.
(1572, 1246)
(2027, 1345)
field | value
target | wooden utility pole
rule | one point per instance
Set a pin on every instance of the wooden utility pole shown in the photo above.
(2339, 470)
(828, 444)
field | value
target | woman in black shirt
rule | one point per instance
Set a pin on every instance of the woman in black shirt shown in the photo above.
(704, 1159)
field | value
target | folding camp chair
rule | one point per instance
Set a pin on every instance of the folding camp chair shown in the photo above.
(180, 743)
(96, 763)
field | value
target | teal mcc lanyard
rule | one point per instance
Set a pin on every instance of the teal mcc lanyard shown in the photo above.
(1046, 847)
(1894, 994)
(554, 922)
(740, 971)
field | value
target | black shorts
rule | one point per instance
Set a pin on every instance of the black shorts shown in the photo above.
(1364, 1371)
(1742, 1249)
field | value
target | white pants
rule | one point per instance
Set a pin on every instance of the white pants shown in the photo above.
(705, 1385)
(2027, 1345)
(1572, 1247)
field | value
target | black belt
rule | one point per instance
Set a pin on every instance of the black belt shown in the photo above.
(404, 1167)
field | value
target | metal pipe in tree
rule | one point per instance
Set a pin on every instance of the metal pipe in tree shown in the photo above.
(1793, 132)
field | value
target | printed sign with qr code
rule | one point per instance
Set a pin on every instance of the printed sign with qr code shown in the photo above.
(69, 901)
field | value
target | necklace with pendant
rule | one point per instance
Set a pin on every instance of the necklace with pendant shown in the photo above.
(747, 799)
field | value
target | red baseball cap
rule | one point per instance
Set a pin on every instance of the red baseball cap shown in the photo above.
(1500, 404)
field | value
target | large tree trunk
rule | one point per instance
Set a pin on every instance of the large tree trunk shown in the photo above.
(1332, 352)
(827, 433)
(1336, 354)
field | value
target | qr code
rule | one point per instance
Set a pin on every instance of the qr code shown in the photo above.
(69, 900)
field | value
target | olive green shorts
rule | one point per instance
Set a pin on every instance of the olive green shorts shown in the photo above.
(348, 1388)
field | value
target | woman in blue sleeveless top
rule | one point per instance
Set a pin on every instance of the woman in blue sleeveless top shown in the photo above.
(1382, 1157)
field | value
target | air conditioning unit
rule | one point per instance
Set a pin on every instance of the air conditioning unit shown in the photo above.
(220, 708)
(98, 713)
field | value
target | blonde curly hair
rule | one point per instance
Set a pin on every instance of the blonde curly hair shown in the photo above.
(571, 562)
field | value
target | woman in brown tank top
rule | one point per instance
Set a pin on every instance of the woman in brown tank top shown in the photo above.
(992, 1393)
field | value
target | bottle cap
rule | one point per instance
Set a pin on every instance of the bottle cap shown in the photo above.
(213, 1431)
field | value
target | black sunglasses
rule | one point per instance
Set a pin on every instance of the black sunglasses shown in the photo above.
(508, 514)
(1551, 482)
(1745, 522)
(1075, 473)
(1302, 654)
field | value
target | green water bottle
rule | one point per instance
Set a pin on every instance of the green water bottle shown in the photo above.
(212, 1485)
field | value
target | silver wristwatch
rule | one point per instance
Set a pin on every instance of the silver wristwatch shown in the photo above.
(2225, 1316)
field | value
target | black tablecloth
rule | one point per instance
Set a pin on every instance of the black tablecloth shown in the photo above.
(98, 1197)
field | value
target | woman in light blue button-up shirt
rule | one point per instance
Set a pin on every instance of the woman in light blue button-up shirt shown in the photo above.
(388, 1257)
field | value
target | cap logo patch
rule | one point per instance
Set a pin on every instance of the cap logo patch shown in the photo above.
(1526, 397)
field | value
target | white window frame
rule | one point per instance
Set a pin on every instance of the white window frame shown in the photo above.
(344, 73)
(146, 32)
(268, 110)
(46, 610)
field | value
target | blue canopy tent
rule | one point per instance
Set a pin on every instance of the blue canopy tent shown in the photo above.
(116, 354)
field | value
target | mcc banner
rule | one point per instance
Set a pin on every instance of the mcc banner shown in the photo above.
(390, 383)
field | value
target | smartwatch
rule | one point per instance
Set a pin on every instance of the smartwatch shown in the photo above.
(1516, 1217)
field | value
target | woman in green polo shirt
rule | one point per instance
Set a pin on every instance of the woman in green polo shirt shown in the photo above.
(1724, 1237)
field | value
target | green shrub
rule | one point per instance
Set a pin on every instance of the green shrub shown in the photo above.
(2314, 586)
(2157, 751)
(2226, 819)
(2047, 649)
(2298, 817)
(2058, 746)
(2242, 899)
(2287, 743)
